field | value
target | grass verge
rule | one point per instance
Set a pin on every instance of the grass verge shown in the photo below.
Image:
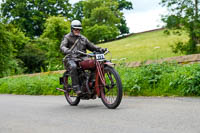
(151, 80)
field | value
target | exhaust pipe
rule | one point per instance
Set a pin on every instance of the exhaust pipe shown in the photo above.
(60, 89)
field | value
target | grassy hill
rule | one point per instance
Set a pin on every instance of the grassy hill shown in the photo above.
(144, 46)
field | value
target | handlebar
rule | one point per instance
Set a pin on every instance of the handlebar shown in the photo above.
(90, 55)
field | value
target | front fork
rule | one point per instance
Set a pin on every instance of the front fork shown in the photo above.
(100, 78)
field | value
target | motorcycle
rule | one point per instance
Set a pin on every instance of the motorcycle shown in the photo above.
(98, 78)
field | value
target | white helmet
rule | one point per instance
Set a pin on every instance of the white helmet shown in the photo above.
(76, 24)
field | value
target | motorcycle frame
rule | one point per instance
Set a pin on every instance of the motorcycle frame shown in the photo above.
(98, 83)
(100, 76)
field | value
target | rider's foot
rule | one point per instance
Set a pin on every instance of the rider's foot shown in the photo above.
(77, 89)
(78, 92)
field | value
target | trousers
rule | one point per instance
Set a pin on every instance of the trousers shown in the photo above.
(71, 65)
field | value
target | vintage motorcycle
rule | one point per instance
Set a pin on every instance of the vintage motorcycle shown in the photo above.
(98, 78)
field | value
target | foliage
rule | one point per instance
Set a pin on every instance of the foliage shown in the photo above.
(98, 33)
(33, 59)
(55, 29)
(123, 4)
(161, 80)
(17, 38)
(30, 15)
(101, 14)
(10, 42)
(77, 11)
(123, 27)
(127, 5)
(142, 80)
(53, 55)
(5, 50)
(188, 80)
(184, 14)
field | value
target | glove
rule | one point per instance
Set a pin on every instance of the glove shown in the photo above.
(74, 52)
(102, 50)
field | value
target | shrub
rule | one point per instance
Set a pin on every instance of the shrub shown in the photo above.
(33, 58)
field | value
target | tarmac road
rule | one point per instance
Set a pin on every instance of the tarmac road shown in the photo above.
(51, 114)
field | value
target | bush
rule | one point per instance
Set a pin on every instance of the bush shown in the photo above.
(11, 41)
(5, 51)
(161, 80)
(33, 59)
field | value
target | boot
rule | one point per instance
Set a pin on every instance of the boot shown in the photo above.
(77, 89)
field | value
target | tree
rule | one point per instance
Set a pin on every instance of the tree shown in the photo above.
(80, 10)
(184, 15)
(124, 5)
(11, 40)
(34, 59)
(123, 26)
(103, 15)
(55, 29)
(5, 51)
(17, 38)
(99, 33)
(30, 15)
(77, 11)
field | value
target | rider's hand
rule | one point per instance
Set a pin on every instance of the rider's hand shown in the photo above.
(102, 50)
(74, 52)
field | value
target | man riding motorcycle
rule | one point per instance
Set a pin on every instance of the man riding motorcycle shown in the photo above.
(72, 43)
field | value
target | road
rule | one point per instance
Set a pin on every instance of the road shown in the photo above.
(51, 114)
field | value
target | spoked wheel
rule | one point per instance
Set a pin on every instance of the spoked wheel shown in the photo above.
(111, 95)
(70, 94)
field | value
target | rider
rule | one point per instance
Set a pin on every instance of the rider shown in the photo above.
(72, 43)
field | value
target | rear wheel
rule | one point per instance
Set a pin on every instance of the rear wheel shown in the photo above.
(111, 95)
(70, 94)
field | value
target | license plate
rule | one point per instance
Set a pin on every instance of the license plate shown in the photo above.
(100, 56)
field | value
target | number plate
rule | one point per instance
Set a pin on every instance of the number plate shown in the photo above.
(100, 56)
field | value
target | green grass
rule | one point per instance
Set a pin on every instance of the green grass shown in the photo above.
(42, 84)
(145, 46)
(151, 80)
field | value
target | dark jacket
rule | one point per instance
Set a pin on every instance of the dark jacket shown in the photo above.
(82, 45)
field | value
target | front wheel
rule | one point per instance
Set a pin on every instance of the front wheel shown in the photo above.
(111, 94)
(70, 94)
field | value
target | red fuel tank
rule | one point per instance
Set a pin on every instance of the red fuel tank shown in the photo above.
(87, 64)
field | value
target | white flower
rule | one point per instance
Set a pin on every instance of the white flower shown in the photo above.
(156, 47)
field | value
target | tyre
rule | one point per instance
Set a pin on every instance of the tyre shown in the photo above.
(70, 94)
(111, 95)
